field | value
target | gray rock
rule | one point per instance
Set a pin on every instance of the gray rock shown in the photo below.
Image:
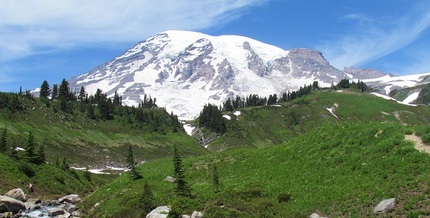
(315, 215)
(56, 211)
(8, 204)
(70, 208)
(185, 216)
(197, 214)
(169, 179)
(76, 214)
(17, 194)
(32, 204)
(72, 199)
(159, 212)
(385, 205)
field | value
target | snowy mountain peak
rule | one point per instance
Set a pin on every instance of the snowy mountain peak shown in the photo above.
(185, 70)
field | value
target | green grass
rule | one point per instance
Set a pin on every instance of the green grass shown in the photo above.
(339, 169)
(269, 125)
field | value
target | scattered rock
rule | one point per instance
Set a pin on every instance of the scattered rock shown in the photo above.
(72, 199)
(315, 215)
(8, 204)
(169, 179)
(56, 211)
(185, 216)
(385, 205)
(76, 214)
(197, 214)
(17, 194)
(159, 212)
(70, 208)
(33, 204)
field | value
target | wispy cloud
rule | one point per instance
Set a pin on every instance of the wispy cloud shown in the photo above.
(374, 38)
(28, 27)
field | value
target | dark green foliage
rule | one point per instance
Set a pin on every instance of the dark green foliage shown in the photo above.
(212, 119)
(27, 169)
(182, 189)
(215, 177)
(283, 197)
(131, 164)
(343, 84)
(87, 175)
(30, 149)
(3, 141)
(54, 92)
(64, 165)
(147, 200)
(45, 91)
(82, 94)
(40, 157)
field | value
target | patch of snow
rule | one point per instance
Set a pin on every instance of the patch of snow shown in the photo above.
(339, 91)
(411, 98)
(226, 116)
(390, 98)
(189, 129)
(237, 113)
(276, 105)
(331, 111)
(19, 149)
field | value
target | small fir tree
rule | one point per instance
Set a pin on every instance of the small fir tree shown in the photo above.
(30, 148)
(45, 91)
(54, 92)
(65, 166)
(147, 200)
(131, 164)
(40, 155)
(182, 188)
(215, 177)
(14, 152)
(3, 141)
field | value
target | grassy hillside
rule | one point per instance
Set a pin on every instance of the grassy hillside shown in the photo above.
(48, 181)
(340, 169)
(90, 142)
(269, 125)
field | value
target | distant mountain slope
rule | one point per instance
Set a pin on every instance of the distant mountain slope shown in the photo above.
(185, 70)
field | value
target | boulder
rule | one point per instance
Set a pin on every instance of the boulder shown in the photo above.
(17, 194)
(32, 204)
(197, 214)
(169, 179)
(8, 204)
(385, 205)
(72, 199)
(56, 211)
(159, 212)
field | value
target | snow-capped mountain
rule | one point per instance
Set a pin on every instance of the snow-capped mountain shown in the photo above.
(185, 70)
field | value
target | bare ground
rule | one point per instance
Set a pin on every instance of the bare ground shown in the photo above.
(419, 144)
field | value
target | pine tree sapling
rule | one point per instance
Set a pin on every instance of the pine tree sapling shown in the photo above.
(30, 148)
(131, 164)
(147, 200)
(3, 141)
(215, 177)
(182, 188)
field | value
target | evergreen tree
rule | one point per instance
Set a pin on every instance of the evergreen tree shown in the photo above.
(54, 92)
(182, 188)
(40, 155)
(45, 91)
(3, 141)
(82, 94)
(215, 177)
(30, 148)
(64, 92)
(131, 164)
(64, 165)
(147, 200)
(14, 152)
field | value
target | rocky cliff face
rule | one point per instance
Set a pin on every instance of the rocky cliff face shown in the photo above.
(185, 70)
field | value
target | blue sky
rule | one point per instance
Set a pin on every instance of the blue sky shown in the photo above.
(56, 39)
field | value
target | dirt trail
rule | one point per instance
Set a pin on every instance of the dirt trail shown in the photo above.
(419, 144)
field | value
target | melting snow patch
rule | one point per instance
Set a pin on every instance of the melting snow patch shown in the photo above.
(226, 117)
(189, 129)
(411, 98)
(390, 98)
(330, 109)
(276, 105)
(237, 113)
(19, 149)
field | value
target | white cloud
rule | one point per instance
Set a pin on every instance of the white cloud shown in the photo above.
(373, 38)
(28, 27)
